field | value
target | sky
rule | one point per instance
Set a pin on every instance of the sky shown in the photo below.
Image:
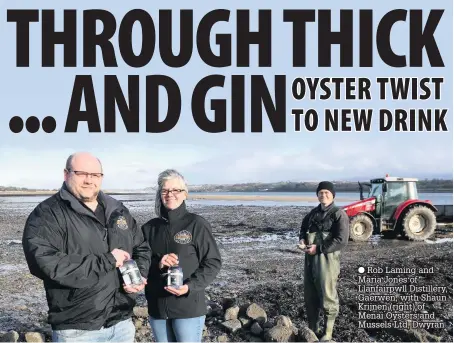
(133, 160)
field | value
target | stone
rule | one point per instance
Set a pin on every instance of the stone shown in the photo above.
(307, 335)
(232, 325)
(34, 337)
(245, 322)
(222, 338)
(141, 312)
(232, 313)
(11, 336)
(256, 329)
(256, 313)
(280, 334)
(283, 321)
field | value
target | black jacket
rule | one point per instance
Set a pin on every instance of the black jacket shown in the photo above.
(332, 220)
(189, 236)
(67, 247)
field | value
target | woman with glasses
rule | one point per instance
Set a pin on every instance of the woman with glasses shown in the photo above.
(178, 237)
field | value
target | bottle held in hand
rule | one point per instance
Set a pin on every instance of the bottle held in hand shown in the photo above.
(175, 276)
(130, 273)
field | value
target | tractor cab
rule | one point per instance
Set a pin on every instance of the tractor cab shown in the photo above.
(390, 192)
(386, 207)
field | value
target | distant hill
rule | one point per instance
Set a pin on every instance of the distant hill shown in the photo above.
(434, 185)
(23, 189)
(426, 185)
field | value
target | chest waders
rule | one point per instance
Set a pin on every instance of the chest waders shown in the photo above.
(321, 272)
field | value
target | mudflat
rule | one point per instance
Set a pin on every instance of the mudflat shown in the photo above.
(262, 265)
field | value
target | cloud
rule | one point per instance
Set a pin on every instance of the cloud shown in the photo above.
(322, 162)
(137, 167)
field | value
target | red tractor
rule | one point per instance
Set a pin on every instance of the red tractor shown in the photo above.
(392, 207)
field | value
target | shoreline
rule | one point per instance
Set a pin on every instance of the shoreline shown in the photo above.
(204, 196)
(261, 197)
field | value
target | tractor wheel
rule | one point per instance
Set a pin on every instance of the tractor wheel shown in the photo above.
(361, 228)
(419, 223)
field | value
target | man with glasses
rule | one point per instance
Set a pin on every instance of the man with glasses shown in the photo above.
(74, 241)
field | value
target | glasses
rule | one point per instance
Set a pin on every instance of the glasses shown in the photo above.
(173, 191)
(85, 174)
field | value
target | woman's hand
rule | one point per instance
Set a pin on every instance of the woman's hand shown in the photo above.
(168, 260)
(177, 291)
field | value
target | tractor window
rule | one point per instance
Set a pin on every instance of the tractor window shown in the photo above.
(375, 190)
(397, 191)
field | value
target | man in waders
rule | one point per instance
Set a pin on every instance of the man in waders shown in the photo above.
(324, 233)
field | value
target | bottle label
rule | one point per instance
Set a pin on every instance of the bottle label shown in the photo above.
(175, 278)
(131, 274)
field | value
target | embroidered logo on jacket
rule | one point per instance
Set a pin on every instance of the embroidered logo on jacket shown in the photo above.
(183, 237)
(122, 223)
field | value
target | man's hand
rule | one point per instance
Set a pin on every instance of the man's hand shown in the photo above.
(120, 256)
(311, 249)
(168, 260)
(182, 290)
(135, 288)
(302, 244)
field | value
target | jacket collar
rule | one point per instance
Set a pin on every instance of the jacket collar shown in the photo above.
(327, 208)
(176, 214)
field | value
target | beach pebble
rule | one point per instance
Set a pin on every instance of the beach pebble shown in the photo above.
(257, 313)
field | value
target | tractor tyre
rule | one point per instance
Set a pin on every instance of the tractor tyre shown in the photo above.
(361, 228)
(419, 223)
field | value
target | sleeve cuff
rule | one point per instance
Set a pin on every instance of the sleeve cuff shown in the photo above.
(111, 259)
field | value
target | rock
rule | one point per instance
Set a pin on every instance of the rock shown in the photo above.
(217, 312)
(280, 334)
(232, 313)
(245, 322)
(138, 323)
(307, 335)
(268, 325)
(256, 329)
(257, 313)
(252, 338)
(34, 337)
(232, 325)
(143, 334)
(11, 336)
(222, 338)
(283, 321)
(229, 302)
(140, 312)
(421, 336)
(213, 304)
